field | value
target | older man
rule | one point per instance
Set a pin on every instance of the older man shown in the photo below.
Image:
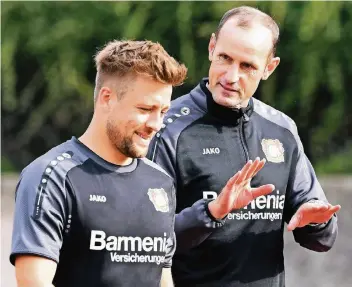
(216, 129)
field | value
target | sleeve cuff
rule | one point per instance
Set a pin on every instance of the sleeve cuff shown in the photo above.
(320, 225)
(214, 221)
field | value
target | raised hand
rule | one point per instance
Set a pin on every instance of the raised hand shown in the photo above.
(237, 192)
(312, 212)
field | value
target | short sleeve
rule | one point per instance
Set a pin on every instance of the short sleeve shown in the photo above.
(40, 213)
(171, 241)
(170, 250)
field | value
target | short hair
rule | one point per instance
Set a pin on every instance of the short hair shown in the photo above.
(133, 58)
(246, 16)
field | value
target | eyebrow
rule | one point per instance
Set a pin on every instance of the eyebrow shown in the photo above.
(153, 106)
(244, 61)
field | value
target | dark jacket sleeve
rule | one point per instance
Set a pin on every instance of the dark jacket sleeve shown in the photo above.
(193, 224)
(303, 187)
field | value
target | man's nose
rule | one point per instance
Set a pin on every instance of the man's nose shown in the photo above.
(154, 121)
(233, 74)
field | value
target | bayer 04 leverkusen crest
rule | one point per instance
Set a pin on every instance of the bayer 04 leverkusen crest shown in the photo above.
(159, 198)
(273, 150)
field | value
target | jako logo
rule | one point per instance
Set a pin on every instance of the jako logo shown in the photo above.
(211, 150)
(97, 198)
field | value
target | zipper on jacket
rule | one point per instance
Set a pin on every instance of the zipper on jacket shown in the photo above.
(243, 119)
(154, 150)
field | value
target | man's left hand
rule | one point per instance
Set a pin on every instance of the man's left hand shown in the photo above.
(312, 212)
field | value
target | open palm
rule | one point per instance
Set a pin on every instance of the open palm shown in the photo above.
(238, 192)
(312, 212)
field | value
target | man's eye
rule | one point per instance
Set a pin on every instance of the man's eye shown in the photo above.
(248, 66)
(223, 57)
(145, 109)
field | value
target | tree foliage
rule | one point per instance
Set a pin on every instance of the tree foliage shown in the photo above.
(48, 71)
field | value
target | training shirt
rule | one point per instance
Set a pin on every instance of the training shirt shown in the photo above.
(104, 225)
(201, 145)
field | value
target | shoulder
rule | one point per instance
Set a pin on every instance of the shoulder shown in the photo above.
(46, 178)
(276, 117)
(153, 166)
(52, 166)
(183, 112)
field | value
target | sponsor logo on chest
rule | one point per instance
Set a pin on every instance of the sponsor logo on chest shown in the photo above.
(272, 203)
(131, 249)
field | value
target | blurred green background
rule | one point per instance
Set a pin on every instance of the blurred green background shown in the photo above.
(48, 71)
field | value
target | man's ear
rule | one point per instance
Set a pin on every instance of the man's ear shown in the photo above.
(211, 46)
(105, 98)
(270, 67)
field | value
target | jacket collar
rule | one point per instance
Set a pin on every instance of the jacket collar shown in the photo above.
(221, 113)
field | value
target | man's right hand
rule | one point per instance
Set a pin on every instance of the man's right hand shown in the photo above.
(237, 192)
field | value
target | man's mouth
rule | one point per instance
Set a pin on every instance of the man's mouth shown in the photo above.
(229, 89)
(144, 136)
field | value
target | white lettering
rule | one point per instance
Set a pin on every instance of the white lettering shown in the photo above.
(268, 201)
(271, 199)
(148, 244)
(127, 243)
(249, 215)
(261, 202)
(97, 198)
(124, 240)
(158, 241)
(111, 243)
(211, 150)
(94, 239)
(282, 201)
(209, 195)
(115, 257)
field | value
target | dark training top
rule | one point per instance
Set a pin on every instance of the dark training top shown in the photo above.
(201, 145)
(105, 225)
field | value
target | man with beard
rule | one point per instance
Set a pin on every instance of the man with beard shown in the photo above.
(216, 129)
(91, 211)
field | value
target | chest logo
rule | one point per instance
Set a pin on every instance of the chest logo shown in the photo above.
(211, 150)
(159, 198)
(273, 150)
(97, 198)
